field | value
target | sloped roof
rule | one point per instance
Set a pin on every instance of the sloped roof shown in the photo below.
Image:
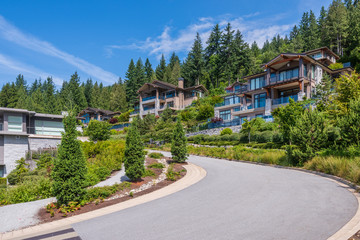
(96, 110)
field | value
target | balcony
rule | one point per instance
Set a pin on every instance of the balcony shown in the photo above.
(148, 98)
(284, 76)
(228, 102)
(284, 100)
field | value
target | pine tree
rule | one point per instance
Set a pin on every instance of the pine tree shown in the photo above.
(131, 84)
(49, 97)
(87, 91)
(194, 65)
(140, 77)
(314, 32)
(118, 97)
(240, 57)
(134, 154)
(95, 96)
(226, 51)
(179, 143)
(337, 26)
(77, 95)
(70, 166)
(213, 44)
(149, 72)
(160, 69)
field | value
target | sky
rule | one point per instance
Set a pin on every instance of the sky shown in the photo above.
(99, 38)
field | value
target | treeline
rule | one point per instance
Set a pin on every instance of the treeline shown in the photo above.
(226, 58)
(42, 96)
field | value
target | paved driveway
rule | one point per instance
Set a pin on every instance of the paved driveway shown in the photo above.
(234, 201)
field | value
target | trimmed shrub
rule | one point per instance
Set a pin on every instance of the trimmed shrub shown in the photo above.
(98, 130)
(264, 137)
(134, 154)
(179, 143)
(3, 181)
(156, 155)
(70, 167)
(226, 131)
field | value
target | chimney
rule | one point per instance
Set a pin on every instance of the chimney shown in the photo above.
(181, 83)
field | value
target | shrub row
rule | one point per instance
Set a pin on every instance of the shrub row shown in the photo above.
(234, 138)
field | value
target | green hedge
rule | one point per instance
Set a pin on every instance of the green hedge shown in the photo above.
(2, 181)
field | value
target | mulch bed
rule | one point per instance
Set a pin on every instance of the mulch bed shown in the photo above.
(46, 217)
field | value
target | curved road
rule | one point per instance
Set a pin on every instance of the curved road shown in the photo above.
(234, 201)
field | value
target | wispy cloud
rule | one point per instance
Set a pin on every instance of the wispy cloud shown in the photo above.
(17, 67)
(181, 41)
(14, 35)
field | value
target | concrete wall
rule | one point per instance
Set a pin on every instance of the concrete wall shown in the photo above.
(15, 147)
(42, 142)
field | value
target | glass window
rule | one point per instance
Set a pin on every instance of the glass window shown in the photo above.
(236, 109)
(305, 71)
(225, 115)
(252, 84)
(295, 72)
(259, 115)
(15, 123)
(282, 75)
(259, 100)
(48, 128)
(312, 71)
(1, 171)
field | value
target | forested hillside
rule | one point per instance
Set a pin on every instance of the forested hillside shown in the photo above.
(222, 59)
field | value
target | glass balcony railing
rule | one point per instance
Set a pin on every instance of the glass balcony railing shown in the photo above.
(149, 108)
(283, 100)
(148, 98)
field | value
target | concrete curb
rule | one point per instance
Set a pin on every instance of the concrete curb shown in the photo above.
(194, 174)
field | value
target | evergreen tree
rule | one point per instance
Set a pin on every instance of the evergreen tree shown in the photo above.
(131, 94)
(95, 96)
(160, 69)
(213, 44)
(134, 154)
(49, 97)
(140, 76)
(118, 97)
(337, 26)
(149, 72)
(70, 166)
(179, 143)
(194, 65)
(76, 95)
(87, 91)
(240, 57)
(226, 51)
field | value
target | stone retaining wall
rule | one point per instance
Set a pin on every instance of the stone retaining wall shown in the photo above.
(214, 131)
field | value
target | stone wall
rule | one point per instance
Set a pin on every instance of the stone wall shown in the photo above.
(15, 147)
(43, 142)
(214, 131)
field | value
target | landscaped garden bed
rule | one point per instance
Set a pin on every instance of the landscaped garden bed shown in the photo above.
(159, 173)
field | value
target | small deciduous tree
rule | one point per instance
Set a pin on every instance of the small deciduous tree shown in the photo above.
(134, 154)
(98, 130)
(251, 126)
(179, 143)
(70, 166)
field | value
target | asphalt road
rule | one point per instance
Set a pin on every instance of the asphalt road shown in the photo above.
(234, 201)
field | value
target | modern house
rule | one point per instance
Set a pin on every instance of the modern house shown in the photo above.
(95, 114)
(155, 97)
(288, 75)
(22, 130)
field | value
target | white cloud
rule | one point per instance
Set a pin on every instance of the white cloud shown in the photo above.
(25, 69)
(167, 42)
(14, 35)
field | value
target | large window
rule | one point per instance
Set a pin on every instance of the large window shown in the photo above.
(288, 74)
(259, 100)
(312, 71)
(257, 83)
(316, 55)
(225, 115)
(15, 123)
(305, 71)
(48, 128)
(231, 100)
(1, 171)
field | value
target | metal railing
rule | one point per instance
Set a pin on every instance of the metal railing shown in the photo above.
(149, 108)
(283, 100)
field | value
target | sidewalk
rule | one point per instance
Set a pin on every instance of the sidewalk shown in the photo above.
(25, 214)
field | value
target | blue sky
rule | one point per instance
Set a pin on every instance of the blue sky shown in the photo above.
(98, 38)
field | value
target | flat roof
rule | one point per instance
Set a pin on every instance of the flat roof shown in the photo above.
(45, 115)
